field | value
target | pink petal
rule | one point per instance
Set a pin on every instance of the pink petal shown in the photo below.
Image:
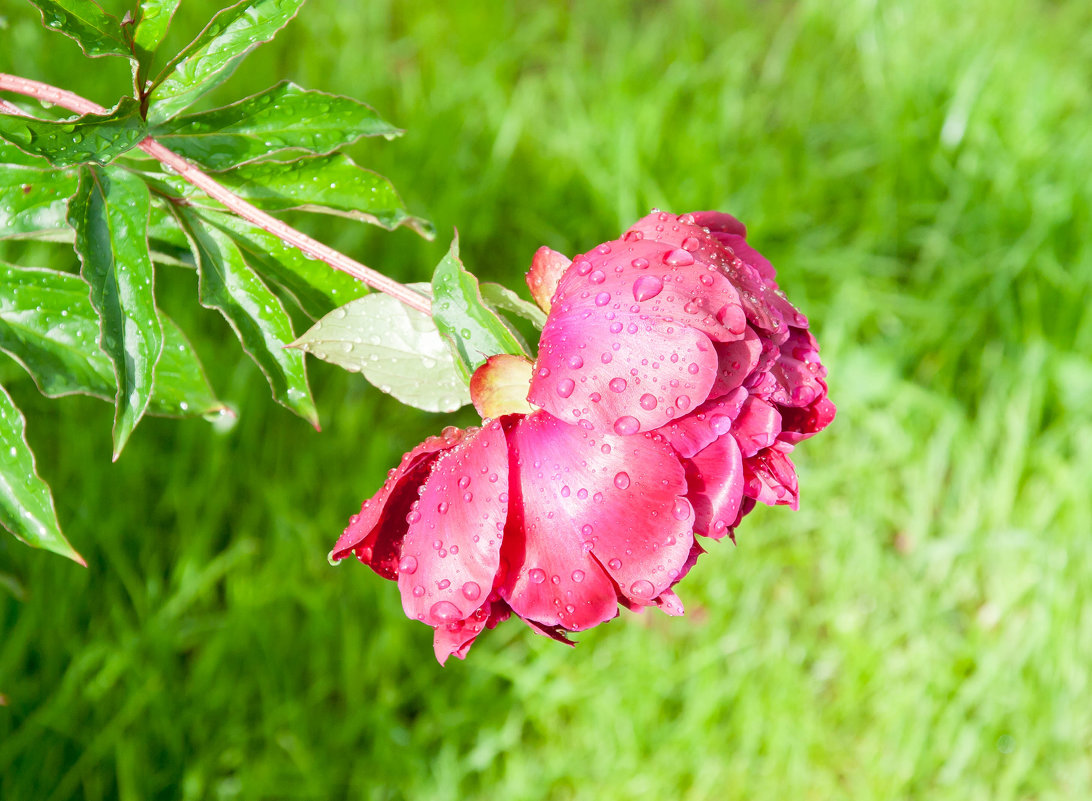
(718, 222)
(739, 246)
(455, 639)
(547, 267)
(451, 550)
(756, 426)
(798, 424)
(670, 604)
(594, 512)
(375, 535)
(630, 337)
(765, 307)
(798, 371)
(704, 425)
(736, 361)
(715, 479)
(769, 476)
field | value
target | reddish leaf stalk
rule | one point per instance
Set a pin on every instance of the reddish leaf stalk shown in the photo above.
(204, 182)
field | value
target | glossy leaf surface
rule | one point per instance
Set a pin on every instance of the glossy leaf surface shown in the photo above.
(209, 60)
(96, 32)
(398, 349)
(32, 201)
(26, 504)
(473, 330)
(97, 138)
(284, 117)
(109, 213)
(259, 320)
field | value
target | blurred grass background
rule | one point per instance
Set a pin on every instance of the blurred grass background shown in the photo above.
(918, 171)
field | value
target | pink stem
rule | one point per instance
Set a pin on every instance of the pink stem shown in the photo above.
(190, 173)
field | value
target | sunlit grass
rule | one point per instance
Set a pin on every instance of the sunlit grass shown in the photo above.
(919, 629)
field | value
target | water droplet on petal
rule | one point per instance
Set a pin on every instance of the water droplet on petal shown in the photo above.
(678, 258)
(621, 480)
(683, 402)
(443, 584)
(565, 387)
(418, 591)
(627, 425)
(681, 509)
(617, 385)
(597, 277)
(464, 482)
(614, 564)
(472, 591)
(642, 589)
(408, 565)
(536, 575)
(576, 362)
(648, 402)
(445, 611)
(691, 244)
(602, 299)
(647, 287)
(578, 576)
(720, 424)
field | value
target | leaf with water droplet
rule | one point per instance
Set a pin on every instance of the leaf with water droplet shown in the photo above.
(312, 284)
(209, 59)
(227, 284)
(465, 311)
(33, 202)
(96, 32)
(109, 213)
(398, 349)
(283, 117)
(26, 504)
(327, 184)
(92, 138)
(48, 325)
(155, 18)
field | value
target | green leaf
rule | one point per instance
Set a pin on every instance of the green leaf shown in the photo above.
(209, 60)
(96, 32)
(48, 325)
(471, 328)
(397, 348)
(330, 184)
(26, 504)
(155, 18)
(109, 213)
(315, 286)
(33, 201)
(163, 227)
(284, 117)
(227, 284)
(91, 138)
(502, 299)
(10, 154)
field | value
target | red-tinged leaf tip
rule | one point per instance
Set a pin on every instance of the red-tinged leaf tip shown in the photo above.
(547, 267)
(500, 386)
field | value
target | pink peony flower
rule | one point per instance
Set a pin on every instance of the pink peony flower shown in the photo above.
(680, 327)
(672, 383)
(527, 515)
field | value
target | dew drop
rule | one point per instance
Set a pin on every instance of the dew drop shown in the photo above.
(690, 244)
(681, 509)
(642, 589)
(537, 575)
(565, 387)
(408, 565)
(471, 591)
(648, 402)
(445, 611)
(418, 591)
(621, 480)
(647, 287)
(597, 277)
(720, 424)
(617, 384)
(627, 425)
(578, 576)
(678, 258)
(614, 564)
(602, 299)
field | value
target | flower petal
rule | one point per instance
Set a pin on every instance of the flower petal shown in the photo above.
(455, 639)
(756, 426)
(769, 476)
(591, 505)
(715, 479)
(798, 424)
(736, 361)
(629, 341)
(451, 550)
(717, 222)
(375, 534)
(704, 425)
(547, 267)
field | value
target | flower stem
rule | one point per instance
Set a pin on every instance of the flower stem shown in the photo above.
(204, 182)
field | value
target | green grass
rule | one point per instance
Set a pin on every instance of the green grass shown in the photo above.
(918, 171)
